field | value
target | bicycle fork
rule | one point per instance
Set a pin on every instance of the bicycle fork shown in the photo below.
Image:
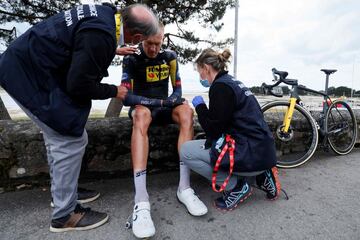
(288, 115)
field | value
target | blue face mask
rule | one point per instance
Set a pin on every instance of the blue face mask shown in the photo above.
(205, 83)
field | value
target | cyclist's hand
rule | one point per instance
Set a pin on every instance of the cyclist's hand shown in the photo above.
(121, 93)
(198, 100)
(173, 102)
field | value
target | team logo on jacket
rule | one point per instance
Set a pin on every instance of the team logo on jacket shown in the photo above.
(157, 72)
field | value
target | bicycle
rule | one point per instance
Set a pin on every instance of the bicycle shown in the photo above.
(295, 130)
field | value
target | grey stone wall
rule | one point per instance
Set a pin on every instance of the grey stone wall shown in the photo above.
(22, 151)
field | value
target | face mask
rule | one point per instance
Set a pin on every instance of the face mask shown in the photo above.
(205, 83)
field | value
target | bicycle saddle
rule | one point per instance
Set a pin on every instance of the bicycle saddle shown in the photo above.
(328, 71)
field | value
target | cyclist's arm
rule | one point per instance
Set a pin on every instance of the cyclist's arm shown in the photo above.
(127, 80)
(175, 78)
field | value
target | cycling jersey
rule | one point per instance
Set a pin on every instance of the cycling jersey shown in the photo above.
(147, 79)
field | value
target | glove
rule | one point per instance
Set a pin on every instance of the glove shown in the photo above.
(171, 103)
(198, 100)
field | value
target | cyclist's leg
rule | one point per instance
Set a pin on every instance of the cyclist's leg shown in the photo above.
(183, 116)
(141, 118)
(142, 221)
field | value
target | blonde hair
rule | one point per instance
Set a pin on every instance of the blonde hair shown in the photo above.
(217, 60)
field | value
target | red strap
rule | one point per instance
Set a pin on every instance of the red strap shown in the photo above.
(230, 145)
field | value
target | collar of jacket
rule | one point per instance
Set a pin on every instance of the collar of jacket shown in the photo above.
(220, 74)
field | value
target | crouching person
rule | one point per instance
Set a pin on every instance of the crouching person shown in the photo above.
(238, 138)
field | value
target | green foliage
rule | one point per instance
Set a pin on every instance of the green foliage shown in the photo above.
(208, 13)
(256, 90)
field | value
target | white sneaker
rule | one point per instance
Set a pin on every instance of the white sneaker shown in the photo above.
(142, 225)
(193, 204)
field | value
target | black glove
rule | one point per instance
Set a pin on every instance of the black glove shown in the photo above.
(171, 103)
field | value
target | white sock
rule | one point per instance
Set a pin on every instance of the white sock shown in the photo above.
(184, 182)
(141, 194)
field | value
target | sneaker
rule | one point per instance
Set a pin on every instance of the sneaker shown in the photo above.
(231, 199)
(81, 219)
(269, 182)
(192, 202)
(84, 196)
(142, 224)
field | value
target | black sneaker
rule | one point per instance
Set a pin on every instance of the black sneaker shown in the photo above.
(231, 199)
(84, 196)
(81, 219)
(269, 182)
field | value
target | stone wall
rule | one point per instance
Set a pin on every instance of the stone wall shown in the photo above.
(22, 151)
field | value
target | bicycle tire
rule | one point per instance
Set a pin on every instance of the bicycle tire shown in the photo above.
(290, 153)
(341, 127)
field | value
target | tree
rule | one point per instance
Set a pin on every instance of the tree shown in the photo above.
(208, 14)
(343, 91)
(285, 90)
(256, 90)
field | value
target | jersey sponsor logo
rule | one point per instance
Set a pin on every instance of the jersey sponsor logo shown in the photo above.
(157, 72)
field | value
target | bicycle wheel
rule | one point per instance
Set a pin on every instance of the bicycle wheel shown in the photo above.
(299, 144)
(341, 127)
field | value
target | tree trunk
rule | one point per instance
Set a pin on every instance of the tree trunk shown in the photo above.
(114, 108)
(4, 115)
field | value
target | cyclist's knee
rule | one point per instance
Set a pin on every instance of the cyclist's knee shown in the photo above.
(141, 117)
(184, 115)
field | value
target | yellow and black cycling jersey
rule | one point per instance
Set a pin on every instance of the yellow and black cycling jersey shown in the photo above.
(147, 79)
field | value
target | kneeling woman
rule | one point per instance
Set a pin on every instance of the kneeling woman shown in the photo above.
(234, 118)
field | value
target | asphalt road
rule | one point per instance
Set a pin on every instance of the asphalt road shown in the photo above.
(324, 204)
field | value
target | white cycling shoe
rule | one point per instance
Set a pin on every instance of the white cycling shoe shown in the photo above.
(192, 202)
(142, 225)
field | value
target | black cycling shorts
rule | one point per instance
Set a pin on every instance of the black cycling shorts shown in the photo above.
(159, 115)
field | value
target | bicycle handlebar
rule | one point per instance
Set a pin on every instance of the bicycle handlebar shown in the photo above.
(282, 79)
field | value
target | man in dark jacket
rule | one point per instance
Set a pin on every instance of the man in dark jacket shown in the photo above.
(53, 71)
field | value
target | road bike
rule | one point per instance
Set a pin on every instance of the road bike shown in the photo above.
(294, 128)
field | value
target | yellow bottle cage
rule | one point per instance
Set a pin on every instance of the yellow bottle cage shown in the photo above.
(118, 26)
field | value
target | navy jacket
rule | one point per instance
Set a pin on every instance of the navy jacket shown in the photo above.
(37, 67)
(255, 149)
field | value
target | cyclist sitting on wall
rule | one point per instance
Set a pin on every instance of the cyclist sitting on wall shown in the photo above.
(146, 76)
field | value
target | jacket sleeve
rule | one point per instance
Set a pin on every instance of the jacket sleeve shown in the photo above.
(92, 54)
(127, 80)
(215, 119)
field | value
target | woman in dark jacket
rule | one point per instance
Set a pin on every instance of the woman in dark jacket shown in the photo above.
(233, 115)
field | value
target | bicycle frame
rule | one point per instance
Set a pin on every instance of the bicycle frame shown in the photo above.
(295, 99)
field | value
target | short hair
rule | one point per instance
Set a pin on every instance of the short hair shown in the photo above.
(213, 58)
(136, 25)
